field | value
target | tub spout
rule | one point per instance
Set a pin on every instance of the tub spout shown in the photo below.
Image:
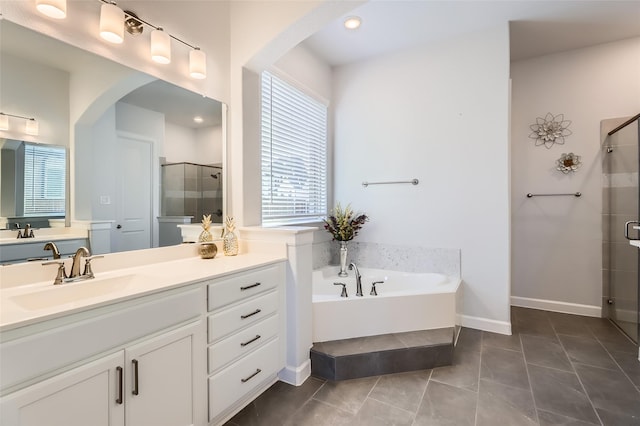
(353, 267)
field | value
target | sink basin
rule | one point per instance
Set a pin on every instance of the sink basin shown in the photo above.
(63, 294)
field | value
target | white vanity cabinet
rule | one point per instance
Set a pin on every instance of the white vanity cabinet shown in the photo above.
(245, 337)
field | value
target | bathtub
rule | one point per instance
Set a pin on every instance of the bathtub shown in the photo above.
(405, 302)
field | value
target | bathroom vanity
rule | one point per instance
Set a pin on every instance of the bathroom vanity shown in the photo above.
(188, 341)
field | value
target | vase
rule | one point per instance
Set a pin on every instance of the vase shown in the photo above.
(343, 259)
(230, 243)
(208, 250)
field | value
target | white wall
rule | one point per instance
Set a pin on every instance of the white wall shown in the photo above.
(438, 113)
(557, 241)
(200, 146)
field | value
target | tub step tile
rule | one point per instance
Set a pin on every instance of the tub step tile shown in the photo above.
(383, 354)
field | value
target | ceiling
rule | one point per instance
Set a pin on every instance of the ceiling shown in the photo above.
(536, 27)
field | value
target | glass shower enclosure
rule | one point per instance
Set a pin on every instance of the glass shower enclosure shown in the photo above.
(621, 223)
(194, 190)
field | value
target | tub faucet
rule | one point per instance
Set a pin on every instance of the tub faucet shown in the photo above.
(353, 267)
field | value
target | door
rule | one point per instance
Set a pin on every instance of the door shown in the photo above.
(621, 215)
(135, 208)
(160, 380)
(87, 395)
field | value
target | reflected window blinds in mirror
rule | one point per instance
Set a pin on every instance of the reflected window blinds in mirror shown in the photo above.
(113, 23)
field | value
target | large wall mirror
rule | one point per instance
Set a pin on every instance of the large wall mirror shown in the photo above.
(143, 155)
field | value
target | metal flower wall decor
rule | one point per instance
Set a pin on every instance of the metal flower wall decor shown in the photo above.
(568, 163)
(550, 130)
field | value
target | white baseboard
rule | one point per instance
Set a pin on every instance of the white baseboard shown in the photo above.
(556, 306)
(485, 324)
(296, 375)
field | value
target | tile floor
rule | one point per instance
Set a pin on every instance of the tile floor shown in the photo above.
(555, 369)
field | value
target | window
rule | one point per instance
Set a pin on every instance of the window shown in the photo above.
(44, 180)
(294, 154)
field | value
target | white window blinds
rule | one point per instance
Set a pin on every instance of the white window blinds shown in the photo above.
(294, 154)
(44, 180)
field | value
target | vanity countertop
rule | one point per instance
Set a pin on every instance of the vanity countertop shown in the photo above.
(635, 243)
(34, 302)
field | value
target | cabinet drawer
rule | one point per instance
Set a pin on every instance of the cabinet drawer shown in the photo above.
(230, 289)
(241, 343)
(243, 315)
(229, 385)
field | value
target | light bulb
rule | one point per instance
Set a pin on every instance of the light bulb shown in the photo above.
(160, 46)
(112, 23)
(352, 22)
(198, 64)
(56, 9)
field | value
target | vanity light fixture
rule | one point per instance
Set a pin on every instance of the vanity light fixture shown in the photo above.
(352, 22)
(31, 125)
(56, 9)
(160, 46)
(197, 63)
(31, 128)
(112, 23)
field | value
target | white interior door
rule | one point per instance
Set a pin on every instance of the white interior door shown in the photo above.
(133, 221)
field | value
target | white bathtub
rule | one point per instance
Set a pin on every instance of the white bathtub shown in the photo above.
(405, 302)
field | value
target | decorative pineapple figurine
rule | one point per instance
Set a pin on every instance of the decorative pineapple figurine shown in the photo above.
(207, 247)
(229, 240)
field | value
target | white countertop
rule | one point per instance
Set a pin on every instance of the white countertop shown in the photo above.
(138, 281)
(635, 243)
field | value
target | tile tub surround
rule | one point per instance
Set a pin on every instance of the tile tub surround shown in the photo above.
(385, 256)
(537, 381)
(382, 354)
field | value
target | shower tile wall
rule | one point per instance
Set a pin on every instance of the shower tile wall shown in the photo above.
(385, 256)
(620, 204)
(192, 190)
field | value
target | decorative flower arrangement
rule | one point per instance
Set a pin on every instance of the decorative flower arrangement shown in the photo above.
(550, 130)
(344, 224)
(568, 163)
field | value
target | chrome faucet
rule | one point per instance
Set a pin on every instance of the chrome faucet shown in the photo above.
(353, 267)
(54, 248)
(75, 266)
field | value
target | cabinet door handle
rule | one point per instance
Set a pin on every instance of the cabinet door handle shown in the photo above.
(249, 286)
(135, 377)
(250, 341)
(245, 380)
(120, 384)
(257, 311)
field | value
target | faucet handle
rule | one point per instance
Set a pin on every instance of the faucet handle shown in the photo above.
(373, 288)
(88, 272)
(62, 273)
(343, 293)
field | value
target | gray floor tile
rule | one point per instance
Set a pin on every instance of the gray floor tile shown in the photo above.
(612, 418)
(347, 395)
(545, 352)
(469, 340)
(502, 341)
(360, 345)
(318, 413)
(375, 413)
(280, 401)
(535, 325)
(571, 325)
(587, 351)
(504, 405)
(440, 336)
(446, 405)
(504, 366)
(404, 390)
(629, 364)
(560, 392)
(610, 390)
(617, 342)
(551, 419)
(463, 373)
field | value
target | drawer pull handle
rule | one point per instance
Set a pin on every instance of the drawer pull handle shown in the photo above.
(249, 286)
(257, 311)
(258, 371)
(120, 384)
(250, 341)
(135, 377)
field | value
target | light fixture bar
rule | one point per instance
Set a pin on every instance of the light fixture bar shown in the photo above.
(17, 116)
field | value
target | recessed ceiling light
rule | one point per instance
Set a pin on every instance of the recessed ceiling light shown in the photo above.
(198, 119)
(352, 22)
